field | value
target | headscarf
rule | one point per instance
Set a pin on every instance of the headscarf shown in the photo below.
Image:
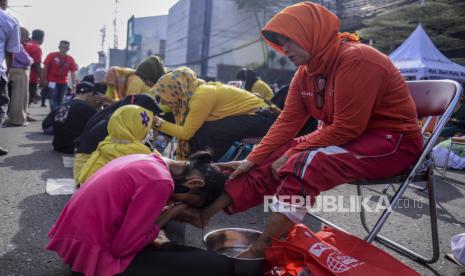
(96, 128)
(150, 69)
(127, 129)
(312, 27)
(248, 76)
(99, 75)
(117, 77)
(175, 90)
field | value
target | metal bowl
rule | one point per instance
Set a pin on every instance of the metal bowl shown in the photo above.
(231, 242)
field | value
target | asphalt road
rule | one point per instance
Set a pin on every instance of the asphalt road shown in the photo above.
(27, 213)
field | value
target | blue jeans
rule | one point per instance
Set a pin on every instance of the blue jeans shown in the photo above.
(56, 94)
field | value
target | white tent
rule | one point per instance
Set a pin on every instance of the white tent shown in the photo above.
(418, 58)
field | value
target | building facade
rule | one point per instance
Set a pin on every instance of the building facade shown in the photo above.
(146, 36)
(205, 33)
(177, 30)
(116, 57)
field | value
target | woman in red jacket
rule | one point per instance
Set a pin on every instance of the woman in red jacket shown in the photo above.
(368, 121)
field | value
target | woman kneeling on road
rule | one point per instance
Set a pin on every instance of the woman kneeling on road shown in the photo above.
(369, 129)
(128, 129)
(107, 223)
(209, 115)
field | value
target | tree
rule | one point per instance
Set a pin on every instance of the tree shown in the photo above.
(443, 20)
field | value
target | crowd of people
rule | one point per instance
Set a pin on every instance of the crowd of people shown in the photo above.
(347, 115)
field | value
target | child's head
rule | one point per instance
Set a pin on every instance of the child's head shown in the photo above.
(86, 91)
(200, 182)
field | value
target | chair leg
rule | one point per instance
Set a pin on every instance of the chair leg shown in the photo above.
(373, 234)
(419, 187)
(447, 160)
(362, 210)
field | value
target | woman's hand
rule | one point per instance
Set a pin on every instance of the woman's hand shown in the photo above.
(238, 167)
(256, 250)
(197, 217)
(177, 210)
(277, 165)
(170, 213)
(157, 121)
(102, 99)
(191, 215)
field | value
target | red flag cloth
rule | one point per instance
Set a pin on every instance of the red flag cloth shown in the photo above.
(330, 252)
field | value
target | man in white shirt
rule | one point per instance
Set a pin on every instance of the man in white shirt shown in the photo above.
(9, 45)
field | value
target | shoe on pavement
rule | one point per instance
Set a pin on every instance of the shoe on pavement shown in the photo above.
(8, 124)
(3, 151)
(30, 119)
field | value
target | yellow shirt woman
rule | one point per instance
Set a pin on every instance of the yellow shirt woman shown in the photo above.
(194, 102)
(126, 81)
(123, 81)
(127, 129)
(262, 89)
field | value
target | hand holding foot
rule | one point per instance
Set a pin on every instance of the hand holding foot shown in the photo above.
(192, 216)
(256, 250)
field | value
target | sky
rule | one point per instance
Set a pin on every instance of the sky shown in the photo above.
(80, 22)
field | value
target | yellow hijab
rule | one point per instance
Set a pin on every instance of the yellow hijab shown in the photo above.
(127, 128)
(117, 77)
(175, 90)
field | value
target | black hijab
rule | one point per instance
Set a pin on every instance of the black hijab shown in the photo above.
(248, 76)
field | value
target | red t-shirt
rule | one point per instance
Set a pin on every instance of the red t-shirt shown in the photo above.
(58, 67)
(33, 49)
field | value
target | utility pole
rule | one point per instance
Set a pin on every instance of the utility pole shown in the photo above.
(103, 33)
(115, 26)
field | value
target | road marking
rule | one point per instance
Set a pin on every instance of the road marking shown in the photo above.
(68, 161)
(60, 186)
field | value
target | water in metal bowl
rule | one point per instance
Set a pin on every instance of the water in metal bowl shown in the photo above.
(231, 242)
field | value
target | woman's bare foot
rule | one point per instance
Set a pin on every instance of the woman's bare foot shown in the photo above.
(161, 239)
(256, 250)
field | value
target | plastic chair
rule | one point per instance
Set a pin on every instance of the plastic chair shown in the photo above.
(432, 98)
(453, 141)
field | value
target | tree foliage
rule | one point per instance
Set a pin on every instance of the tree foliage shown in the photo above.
(443, 21)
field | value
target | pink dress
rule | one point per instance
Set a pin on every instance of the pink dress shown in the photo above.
(111, 218)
